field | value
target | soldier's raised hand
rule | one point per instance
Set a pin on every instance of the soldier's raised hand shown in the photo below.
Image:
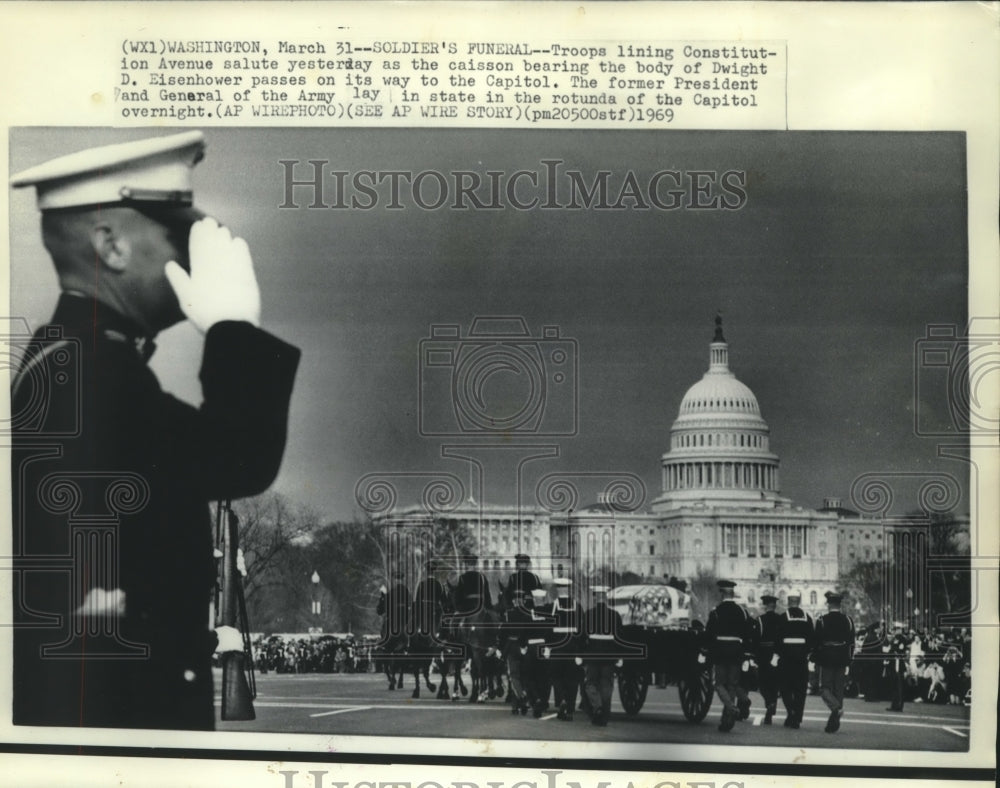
(221, 284)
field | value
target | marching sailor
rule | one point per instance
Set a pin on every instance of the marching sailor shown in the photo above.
(603, 628)
(512, 643)
(729, 633)
(767, 638)
(534, 669)
(796, 636)
(565, 652)
(834, 651)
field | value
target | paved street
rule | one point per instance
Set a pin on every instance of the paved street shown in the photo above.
(361, 704)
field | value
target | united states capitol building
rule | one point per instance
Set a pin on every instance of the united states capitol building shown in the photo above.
(719, 512)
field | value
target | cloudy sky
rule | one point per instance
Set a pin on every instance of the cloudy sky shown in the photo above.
(848, 247)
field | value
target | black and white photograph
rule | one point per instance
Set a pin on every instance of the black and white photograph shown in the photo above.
(524, 444)
(683, 389)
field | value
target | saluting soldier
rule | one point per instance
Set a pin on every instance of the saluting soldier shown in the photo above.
(603, 627)
(472, 592)
(729, 634)
(565, 653)
(534, 668)
(125, 643)
(767, 638)
(796, 637)
(521, 580)
(834, 651)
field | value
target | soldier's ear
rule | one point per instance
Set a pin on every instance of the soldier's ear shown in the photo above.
(111, 247)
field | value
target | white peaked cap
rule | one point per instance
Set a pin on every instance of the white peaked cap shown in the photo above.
(151, 169)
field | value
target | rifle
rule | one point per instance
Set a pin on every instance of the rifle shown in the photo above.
(238, 685)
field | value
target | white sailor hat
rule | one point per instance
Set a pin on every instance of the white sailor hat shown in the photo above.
(149, 170)
(599, 589)
(538, 593)
(796, 595)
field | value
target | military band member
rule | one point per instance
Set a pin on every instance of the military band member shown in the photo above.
(565, 651)
(603, 625)
(125, 642)
(796, 638)
(767, 639)
(472, 592)
(522, 579)
(534, 667)
(834, 651)
(729, 635)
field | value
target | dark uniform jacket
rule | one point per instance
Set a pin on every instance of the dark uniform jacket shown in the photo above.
(834, 640)
(521, 580)
(107, 464)
(472, 593)
(796, 635)
(428, 604)
(604, 630)
(728, 632)
(395, 606)
(567, 628)
(515, 628)
(768, 624)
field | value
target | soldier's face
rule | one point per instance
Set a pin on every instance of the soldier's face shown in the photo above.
(151, 245)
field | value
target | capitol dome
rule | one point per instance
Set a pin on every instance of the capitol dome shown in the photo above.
(719, 442)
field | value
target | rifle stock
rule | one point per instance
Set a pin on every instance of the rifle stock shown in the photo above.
(237, 697)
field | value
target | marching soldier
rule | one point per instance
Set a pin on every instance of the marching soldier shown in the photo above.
(834, 651)
(796, 636)
(472, 592)
(565, 652)
(133, 257)
(603, 627)
(534, 670)
(512, 643)
(767, 639)
(521, 580)
(729, 632)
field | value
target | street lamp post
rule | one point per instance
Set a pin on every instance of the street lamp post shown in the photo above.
(316, 604)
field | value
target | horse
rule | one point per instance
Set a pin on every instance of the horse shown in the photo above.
(477, 633)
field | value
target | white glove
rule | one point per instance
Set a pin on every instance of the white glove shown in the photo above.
(221, 285)
(241, 562)
(490, 651)
(524, 650)
(578, 660)
(774, 660)
(546, 652)
(745, 667)
(619, 663)
(847, 671)
(230, 639)
(701, 659)
(381, 589)
(812, 666)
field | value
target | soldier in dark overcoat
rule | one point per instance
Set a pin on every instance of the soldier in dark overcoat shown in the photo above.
(112, 477)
